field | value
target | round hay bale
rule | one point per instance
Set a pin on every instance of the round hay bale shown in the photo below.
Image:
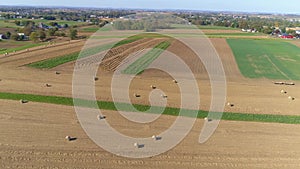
(175, 81)
(153, 87)
(279, 83)
(68, 138)
(137, 145)
(208, 119)
(289, 83)
(164, 96)
(230, 104)
(283, 92)
(23, 101)
(96, 78)
(291, 98)
(156, 138)
(48, 85)
(101, 117)
(136, 95)
(58, 73)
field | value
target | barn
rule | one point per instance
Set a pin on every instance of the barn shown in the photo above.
(286, 36)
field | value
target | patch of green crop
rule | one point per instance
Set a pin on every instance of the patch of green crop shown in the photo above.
(273, 59)
(105, 105)
(143, 62)
(53, 62)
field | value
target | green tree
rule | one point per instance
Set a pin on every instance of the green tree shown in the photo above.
(65, 25)
(28, 29)
(267, 30)
(51, 32)
(16, 37)
(18, 23)
(34, 36)
(42, 35)
(292, 32)
(8, 35)
(53, 23)
(73, 33)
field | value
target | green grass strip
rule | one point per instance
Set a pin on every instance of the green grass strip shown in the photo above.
(31, 45)
(143, 62)
(209, 27)
(53, 62)
(234, 34)
(104, 105)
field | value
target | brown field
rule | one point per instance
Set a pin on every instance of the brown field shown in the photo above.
(33, 134)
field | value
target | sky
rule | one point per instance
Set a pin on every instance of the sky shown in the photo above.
(274, 6)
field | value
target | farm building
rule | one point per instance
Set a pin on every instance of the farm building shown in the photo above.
(286, 36)
(292, 28)
(1, 36)
(24, 37)
(296, 29)
(21, 34)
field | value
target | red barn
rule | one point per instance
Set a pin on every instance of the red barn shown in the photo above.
(287, 36)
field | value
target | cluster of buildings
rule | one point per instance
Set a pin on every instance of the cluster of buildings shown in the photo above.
(290, 36)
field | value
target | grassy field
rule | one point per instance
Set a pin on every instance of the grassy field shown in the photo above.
(22, 45)
(287, 119)
(273, 59)
(8, 24)
(217, 28)
(11, 23)
(96, 28)
(90, 29)
(234, 34)
(143, 62)
(182, 26)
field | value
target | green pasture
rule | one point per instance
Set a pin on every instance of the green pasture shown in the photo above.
(22, 46)
(272, 59)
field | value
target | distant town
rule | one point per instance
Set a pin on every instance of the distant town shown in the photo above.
(41, 24)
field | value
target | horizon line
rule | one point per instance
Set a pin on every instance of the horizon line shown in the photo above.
(151, 9)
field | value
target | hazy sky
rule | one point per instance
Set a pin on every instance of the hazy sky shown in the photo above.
(277, 6)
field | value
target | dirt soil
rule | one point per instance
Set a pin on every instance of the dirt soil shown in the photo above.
(34, 137)
(33, 134)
